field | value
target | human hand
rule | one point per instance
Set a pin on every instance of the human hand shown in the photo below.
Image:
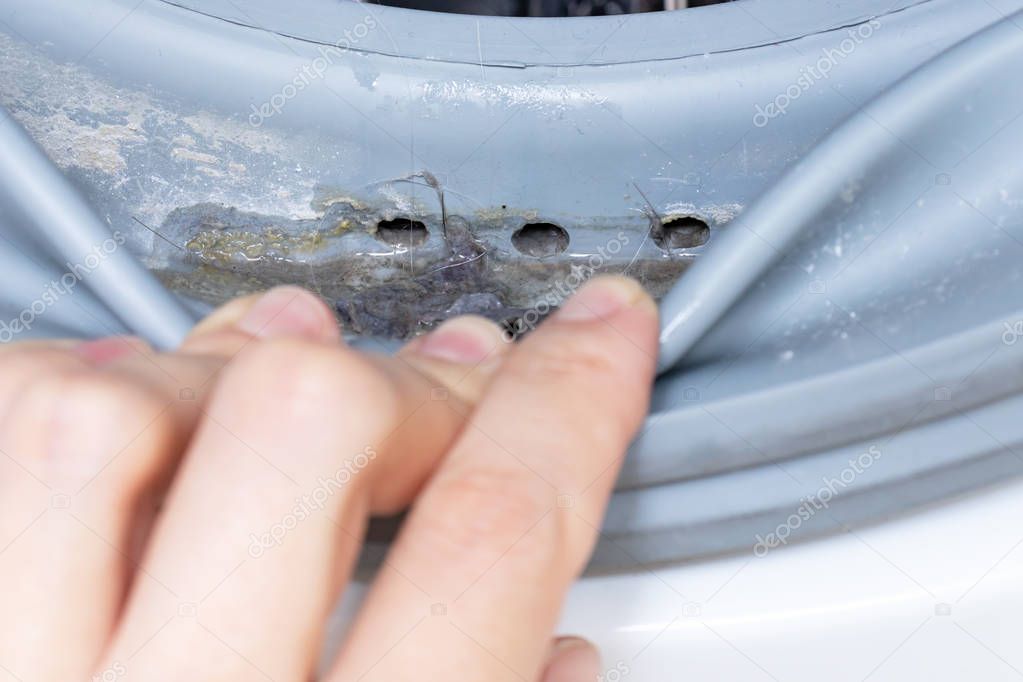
(196, 514)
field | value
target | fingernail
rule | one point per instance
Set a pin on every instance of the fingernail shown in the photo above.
(603, 297)
(570, 659)
(104, 351)
(563, 644)
(467, 340)
(288, 311)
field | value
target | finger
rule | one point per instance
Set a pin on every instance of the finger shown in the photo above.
(281, 311)
(461, 354)
(92, 438)
(23, 367)
(185, 378)
(445, 372)
(572, 659)
(510, 518)
(300, 441)
(21, 363)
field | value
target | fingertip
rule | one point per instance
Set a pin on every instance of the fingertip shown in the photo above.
(284, 311)
(572, 659)
(465, 340)
(610, 315)
(605, 297)
(225, 316)
(289, 311)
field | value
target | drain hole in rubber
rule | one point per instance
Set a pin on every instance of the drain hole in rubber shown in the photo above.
(540, 239)
(686, 232)
(402, 232)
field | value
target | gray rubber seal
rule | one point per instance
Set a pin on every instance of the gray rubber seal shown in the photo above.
(846, 340)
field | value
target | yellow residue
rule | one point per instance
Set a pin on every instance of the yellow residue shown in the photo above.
(220, 245)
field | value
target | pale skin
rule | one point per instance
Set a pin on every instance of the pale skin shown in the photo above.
(133, 484)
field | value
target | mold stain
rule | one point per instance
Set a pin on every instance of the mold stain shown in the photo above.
(221, 244)
(471, 266)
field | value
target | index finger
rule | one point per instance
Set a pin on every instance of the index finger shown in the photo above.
(512, 515)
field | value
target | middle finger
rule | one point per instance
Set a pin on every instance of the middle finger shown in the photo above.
(301, 441)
